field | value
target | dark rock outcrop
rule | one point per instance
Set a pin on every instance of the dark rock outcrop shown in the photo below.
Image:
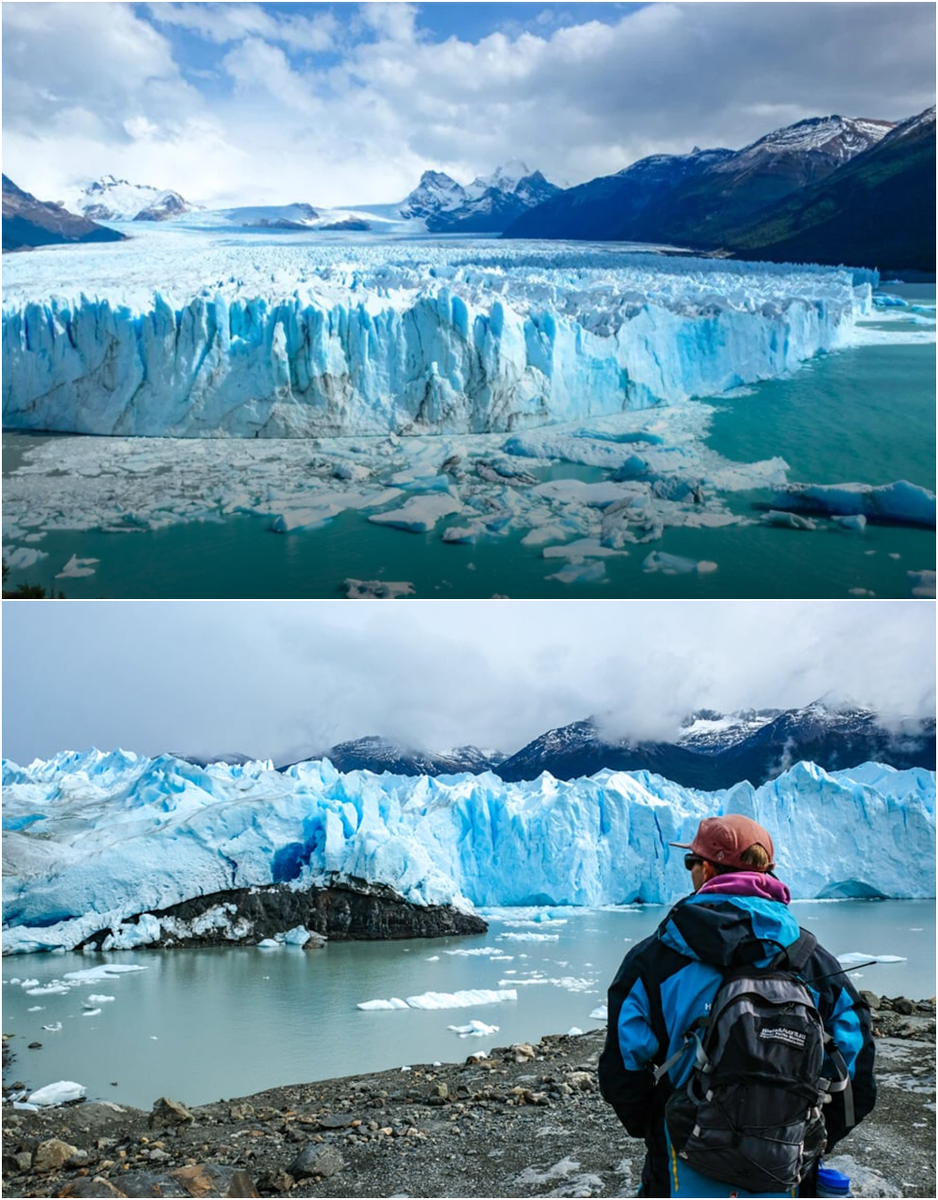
(350, 911)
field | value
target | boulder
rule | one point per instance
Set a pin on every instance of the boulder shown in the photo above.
(169, 1112)
(324, 1161)
(52, 1155)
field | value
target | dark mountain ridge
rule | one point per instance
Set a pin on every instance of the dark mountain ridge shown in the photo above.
(876, 210)
(711, 751)
(827, 190)
(29, 222)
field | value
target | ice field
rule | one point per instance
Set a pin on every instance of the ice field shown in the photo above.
(93, 839)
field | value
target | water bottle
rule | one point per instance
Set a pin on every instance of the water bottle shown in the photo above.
(832, 1183)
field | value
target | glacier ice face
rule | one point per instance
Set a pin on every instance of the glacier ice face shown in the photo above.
(289, 340)
(93, 839)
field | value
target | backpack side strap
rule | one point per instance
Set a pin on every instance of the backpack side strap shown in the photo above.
(841, 1082)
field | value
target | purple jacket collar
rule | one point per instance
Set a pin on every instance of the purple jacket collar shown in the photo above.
(747, 883)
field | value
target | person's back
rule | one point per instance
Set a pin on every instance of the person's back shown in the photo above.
(737, 919)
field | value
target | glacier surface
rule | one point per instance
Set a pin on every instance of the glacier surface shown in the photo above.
(194, 335)
(93, 839)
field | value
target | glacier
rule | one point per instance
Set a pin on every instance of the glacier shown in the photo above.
(94, 839)
(187, 334)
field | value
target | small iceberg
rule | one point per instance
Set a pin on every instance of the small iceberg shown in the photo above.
(53, 1094)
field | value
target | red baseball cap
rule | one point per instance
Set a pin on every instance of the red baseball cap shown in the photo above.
(722, 840)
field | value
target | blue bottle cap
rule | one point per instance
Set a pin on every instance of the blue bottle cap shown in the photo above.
(833, 1179)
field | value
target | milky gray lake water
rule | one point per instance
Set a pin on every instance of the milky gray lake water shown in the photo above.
(200, 1025)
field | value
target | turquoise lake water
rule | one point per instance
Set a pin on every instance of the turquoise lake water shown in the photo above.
(865, 415)
(200, 1025)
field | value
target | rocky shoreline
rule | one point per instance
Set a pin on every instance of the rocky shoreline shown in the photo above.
(526, 1121)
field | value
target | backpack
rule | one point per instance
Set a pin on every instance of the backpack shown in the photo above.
(751, 1113)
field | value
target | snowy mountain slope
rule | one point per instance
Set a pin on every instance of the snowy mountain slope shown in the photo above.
(714, 750)
(711, 750)
(877, 209)
(29, 222)
(111, 199)
(295, 340)
(699, 211)
(94, 839)
(693, 200)
(436, 192)
(487, 205)
(379, 754)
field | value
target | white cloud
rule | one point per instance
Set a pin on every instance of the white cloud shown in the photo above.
(224, 23)
(86, 85)
(279, 678)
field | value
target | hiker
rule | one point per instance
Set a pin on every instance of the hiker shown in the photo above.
(734, 929)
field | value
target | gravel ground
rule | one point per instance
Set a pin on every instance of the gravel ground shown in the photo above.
(527, 1121)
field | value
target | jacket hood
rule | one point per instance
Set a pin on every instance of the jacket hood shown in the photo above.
(729, 930)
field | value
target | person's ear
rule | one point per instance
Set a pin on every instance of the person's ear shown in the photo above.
(709, 871)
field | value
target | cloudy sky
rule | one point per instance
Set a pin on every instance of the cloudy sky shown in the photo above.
(349, 103)
(281, 679)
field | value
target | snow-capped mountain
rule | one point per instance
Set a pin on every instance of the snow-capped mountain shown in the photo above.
(877, 209)
(104, 845)
(714, 750)
(31, 222)
(487, 205)
(810, 148)
(711, 749)
(694, 200)
(436, 192)
(379, 754)
(112, 199)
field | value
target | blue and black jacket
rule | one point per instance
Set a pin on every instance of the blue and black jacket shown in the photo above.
(669, 980)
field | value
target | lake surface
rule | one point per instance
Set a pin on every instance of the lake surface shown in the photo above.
(200, 1025)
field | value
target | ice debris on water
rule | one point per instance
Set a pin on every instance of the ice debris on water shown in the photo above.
(53, 1094)
(474, 1029)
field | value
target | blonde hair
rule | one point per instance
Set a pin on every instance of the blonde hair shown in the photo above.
(756, 857)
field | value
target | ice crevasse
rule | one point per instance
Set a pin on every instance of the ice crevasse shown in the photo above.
(92, 840)
(407, 344)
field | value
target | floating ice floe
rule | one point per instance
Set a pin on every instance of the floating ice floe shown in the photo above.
(104, 971)
(855, 957)
(474, 1029)
(922, 584)
(23, 557)
(901, 502)
(529, 937)
(674, 564)
(77, 568)
(462, 999)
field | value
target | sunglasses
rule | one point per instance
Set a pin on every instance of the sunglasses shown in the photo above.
(693, 860)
